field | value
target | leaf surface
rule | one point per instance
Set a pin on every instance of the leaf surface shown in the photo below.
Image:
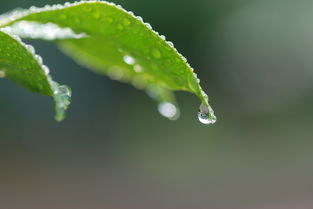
(119, 44)
(19, 63)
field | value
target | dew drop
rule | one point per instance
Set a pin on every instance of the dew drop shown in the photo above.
(30, 49)
(156, 53)
(45, 69)
(62, 96)
(206, 115)
(129, 60)
(65, 91)
(170, 43)
(168, 110)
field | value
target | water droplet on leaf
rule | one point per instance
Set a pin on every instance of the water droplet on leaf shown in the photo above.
(62, 96)
(129, 60)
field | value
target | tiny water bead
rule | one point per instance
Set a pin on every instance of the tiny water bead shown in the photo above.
(65, 91)
(168, 110)
(206, 115)
(129, 60)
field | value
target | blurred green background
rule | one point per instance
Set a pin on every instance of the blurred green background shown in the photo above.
(114, 150)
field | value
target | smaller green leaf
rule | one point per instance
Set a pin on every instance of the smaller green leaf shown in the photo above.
(19, 63)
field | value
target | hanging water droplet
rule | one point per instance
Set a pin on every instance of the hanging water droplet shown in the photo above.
(65, 90)
(62, 96)
(168, 110)
(129, 60)
(206, 115)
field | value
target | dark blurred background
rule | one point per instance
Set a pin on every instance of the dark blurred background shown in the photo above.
(114, 151)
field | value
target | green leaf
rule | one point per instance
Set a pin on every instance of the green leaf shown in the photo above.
(19, 63)
(114, 42)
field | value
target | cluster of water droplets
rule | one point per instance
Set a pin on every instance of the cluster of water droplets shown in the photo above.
(206, 114)
(48, 31)
(62, 97)
(61, 93)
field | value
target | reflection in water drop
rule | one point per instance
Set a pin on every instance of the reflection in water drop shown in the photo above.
(206, 115)
(168, 110)
(65, 91)
(129, 60)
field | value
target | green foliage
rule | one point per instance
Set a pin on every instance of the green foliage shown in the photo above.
(109, 40)
(19, 63)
